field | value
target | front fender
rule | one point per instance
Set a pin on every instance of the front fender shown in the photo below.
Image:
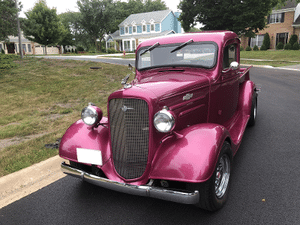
(80, 135)
(190, 156)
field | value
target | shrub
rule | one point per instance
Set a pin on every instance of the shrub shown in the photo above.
(111, 50)
(2, 51)
(279, 46)
(263, 48)
(255, 48)
(266, 41)
(72, 50)
(76, 51)
(7, 61)
(288, 46)
(241, 49)
(248, 48)
(80, 49)
(296, 46)
(293, 39)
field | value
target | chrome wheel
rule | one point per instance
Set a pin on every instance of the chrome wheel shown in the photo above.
(222, 176)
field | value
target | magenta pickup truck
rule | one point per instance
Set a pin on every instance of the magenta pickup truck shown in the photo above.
(173, 131)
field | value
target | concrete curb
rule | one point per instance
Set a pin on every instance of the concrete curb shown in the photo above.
(26, 181)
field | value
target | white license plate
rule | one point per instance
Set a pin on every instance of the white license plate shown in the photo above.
(89, 156)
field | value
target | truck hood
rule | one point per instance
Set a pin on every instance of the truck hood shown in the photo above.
(167, 85)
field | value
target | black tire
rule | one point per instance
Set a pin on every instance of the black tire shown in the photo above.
(211, 198)
(253, 114)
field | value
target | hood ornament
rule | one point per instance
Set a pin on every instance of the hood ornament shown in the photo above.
(124, 80)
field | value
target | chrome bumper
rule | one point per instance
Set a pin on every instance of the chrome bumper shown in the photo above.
(147, 191)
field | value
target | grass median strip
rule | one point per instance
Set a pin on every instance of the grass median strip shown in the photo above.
(45, 96)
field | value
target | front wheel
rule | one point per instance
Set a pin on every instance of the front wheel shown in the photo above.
(214, 192)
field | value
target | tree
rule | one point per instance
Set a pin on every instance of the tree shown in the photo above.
(42, 25)
(97, 19)
(266, 41)
(8, 18)
(68, 37)
(244, 17)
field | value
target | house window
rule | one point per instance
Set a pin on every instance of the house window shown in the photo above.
(134, 29)
(29, 47)
(258, 40)
(276, 18)
(127, 46)
(24, 47)
(126, 30)
(282, 37)
(152, 28)
(144, 28)
(133, 45)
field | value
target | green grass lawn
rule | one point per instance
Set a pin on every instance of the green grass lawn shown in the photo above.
(271, 57)
(45, 96)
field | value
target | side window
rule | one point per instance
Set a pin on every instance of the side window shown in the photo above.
(229, 55)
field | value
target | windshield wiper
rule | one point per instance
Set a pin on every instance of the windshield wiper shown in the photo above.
(150, 49)
(182, 45)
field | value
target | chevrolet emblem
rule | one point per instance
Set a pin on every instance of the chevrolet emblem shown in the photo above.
(187, 97)
(125, 108)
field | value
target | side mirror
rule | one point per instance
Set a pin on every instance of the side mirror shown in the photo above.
(130, 67)
(233, 66)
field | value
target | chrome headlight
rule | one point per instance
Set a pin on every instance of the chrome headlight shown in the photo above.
(164, 121)
(89, 115)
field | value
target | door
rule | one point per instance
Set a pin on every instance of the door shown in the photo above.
(225, 92)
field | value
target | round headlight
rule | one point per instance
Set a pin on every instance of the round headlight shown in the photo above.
(89, 115)
(164, 121)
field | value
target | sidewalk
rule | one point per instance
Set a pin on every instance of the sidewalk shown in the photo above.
(26, 181)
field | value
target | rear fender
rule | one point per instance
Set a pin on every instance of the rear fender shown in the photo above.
(190, 156)
(247, 92)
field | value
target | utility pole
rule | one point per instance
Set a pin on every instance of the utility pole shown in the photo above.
(19, 31)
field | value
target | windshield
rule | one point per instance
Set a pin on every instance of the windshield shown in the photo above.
(199, 54)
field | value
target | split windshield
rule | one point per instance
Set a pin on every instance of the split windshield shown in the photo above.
(196, 54)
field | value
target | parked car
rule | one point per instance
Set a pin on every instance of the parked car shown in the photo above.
(173, 131)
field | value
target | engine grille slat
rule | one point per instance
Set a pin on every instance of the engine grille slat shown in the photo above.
(129, 128)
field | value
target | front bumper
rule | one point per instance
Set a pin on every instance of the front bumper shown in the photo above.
(184, 197)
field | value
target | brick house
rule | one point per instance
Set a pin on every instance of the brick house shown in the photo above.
(142, 26)
(281, 25)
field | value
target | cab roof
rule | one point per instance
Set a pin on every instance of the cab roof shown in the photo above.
(218, 37)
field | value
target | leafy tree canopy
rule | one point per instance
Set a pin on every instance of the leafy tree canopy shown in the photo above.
(8, 18)
(96, 19)
(241, 16)
(42, 25)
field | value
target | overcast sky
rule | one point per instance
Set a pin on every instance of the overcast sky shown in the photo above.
(70, 5)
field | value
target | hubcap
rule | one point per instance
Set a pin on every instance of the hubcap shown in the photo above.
(222, 176)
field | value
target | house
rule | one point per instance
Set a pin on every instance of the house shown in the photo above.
(28, 47)
(142, 26)
(281, 25)
(13, 47)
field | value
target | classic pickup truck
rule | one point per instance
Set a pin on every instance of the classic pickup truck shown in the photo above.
(172, 132)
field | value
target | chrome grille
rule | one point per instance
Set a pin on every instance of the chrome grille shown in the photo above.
(129, 130)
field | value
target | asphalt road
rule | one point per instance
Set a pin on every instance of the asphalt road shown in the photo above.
(265, 180)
